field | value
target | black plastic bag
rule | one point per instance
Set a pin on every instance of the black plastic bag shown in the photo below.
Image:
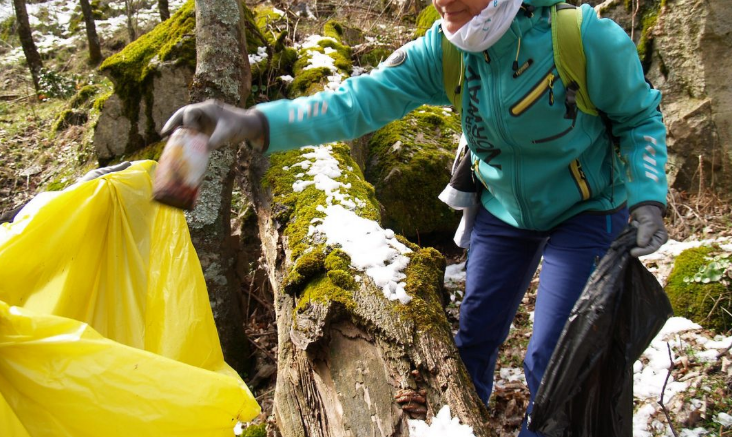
(587, 389)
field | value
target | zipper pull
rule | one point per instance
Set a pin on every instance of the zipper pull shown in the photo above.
(551, 89)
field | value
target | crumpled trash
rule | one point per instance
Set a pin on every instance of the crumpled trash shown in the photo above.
(105, 323)
(587, 389)
(462, 193)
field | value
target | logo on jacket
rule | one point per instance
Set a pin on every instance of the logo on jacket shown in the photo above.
(396, 58)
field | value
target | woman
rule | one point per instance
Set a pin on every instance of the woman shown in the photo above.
(554, 186)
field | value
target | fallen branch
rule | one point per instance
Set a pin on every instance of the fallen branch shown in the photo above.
(663, 390)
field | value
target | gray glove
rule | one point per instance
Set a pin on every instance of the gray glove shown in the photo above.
(651, 230)
(221, 122)
(102, 171)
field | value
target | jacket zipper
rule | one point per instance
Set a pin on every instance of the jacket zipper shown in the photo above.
(476, 172)
(523, 211)
(544, 85)
(575, 168)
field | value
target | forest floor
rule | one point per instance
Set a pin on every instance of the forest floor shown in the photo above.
(34, 158)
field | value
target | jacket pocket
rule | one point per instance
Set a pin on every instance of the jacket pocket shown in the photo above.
(543, 86)
(580, 179)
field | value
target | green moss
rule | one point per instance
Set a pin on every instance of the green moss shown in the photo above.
(295, 211)
(133, 68)
(322, 290)
(375, 56)
(333, 29)
(342, 55)
(8, 29)
(337, 260)
(152, 151)
(308, 82)
(698, 301)
(255, 431)
(425, 20)
(409, 164)
(342, 279)
(424, 282)
(343, 33)
(98, 104)
(645, 44)
(83, 95)
(311, 80)
(307, 266)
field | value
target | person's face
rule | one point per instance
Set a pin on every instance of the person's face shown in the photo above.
(456, 13)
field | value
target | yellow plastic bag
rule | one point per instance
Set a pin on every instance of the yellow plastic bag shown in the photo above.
(102, 253)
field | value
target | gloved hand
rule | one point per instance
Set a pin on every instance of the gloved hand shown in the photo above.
(102, 171)
(651, 230)
(221, 122)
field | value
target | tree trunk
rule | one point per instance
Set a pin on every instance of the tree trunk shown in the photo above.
(222, 72)
(95, 50)
(26, 40)
(132, 35)
(164, 10)
(345, 357)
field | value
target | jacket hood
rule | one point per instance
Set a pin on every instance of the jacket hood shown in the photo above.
(540, 3)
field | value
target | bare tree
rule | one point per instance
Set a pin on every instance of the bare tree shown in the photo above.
(130, 11)
(95, 50)
(32, 57)
(164, 10)
(222, 72)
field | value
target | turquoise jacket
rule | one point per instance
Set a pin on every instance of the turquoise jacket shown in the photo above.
(538, 167)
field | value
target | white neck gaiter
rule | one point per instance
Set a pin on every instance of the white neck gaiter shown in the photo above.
(483, 30)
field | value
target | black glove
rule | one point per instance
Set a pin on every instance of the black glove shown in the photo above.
(651, 230)
(102, 171)
(221, 122)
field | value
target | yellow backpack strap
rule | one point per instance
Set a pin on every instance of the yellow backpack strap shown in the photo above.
(569, 57)
(452, 70)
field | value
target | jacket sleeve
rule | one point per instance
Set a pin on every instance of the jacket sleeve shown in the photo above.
(617, 87)
(411, 77)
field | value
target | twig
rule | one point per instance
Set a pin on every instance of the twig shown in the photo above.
(264, 394)
(701, 180)
(663, 390)
(632, 17)
(263, 349)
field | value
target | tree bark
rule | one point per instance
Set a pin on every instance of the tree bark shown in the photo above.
(32, 57)
(342, 366)
(95, 50)
(164, 10)
(222, 72)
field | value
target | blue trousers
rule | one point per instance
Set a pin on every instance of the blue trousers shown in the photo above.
(501, 262)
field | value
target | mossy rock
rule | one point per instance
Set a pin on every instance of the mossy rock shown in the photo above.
(266, 74)
(409, 164)
(374, 56)
(69, 117)
(344, 33)
(133, 70)
(83, 96)
(425, 20)
(702, 303)
(308, 81)
(131, 67)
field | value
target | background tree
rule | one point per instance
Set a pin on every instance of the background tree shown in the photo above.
(129, 10)
(222, 72)
(164, 10)
(95, 50)
(32, 57)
